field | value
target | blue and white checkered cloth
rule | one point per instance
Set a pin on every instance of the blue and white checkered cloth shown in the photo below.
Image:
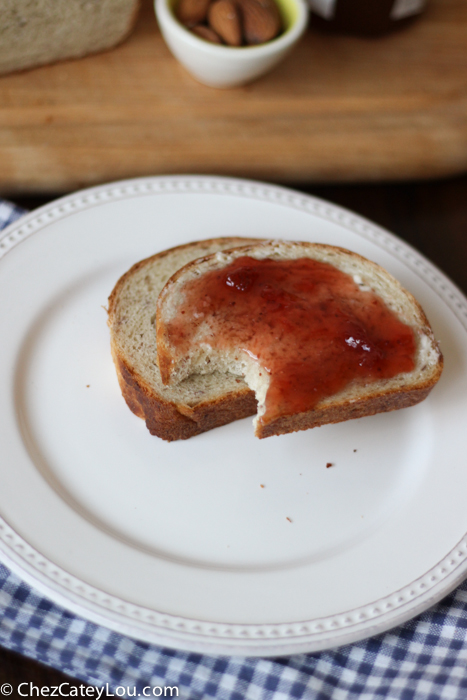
(425, 659)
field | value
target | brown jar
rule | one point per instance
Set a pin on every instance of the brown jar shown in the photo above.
(364, 17)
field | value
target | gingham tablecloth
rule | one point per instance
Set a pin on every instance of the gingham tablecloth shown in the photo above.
(425, 659)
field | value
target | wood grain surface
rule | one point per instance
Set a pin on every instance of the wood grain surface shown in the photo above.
(338, 109)
(432, 216)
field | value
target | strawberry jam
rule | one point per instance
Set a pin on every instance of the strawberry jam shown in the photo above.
(306, 323)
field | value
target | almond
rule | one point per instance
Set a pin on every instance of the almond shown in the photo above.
(206, 33)
(261, 20)
(224, 18)
(192, 12)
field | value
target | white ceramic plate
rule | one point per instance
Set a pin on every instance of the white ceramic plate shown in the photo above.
(179, 544)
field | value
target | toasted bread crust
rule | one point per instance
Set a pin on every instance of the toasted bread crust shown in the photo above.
(164, 418)
(382, 403)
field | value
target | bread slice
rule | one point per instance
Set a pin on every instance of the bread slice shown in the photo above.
(45, 31)
(199, 403)
(204, 352)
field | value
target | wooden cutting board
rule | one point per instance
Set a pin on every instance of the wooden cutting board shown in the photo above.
(338, 109)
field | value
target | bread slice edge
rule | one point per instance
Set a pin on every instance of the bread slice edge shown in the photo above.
(165, 416)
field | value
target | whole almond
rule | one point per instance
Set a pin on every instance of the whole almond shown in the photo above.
(224, 18)
(261, 20)
(206, 33)
(192, 12)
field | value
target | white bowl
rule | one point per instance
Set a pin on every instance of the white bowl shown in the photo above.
(224, 66)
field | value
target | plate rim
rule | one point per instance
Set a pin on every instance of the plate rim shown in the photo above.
(231, 638)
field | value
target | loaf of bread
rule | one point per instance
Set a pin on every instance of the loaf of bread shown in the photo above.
(46, 31)
(203, 326)
(200, 402)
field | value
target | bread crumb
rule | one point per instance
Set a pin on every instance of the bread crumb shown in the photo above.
(262, 486)
(87, 386)
(329, 464)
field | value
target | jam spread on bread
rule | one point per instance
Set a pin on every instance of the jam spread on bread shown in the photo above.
(311, 327)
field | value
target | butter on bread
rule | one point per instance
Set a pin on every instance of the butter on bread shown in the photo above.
(356, 399)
